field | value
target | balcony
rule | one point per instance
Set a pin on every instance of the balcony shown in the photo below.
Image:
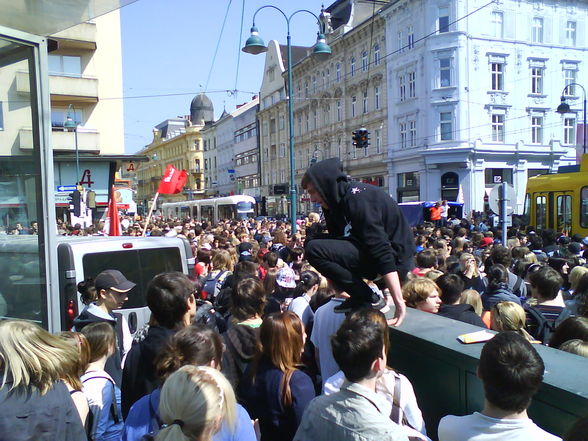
(88, 141)
(82, 36)
(64, 88)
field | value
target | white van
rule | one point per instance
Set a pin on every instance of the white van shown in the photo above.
(138, 258)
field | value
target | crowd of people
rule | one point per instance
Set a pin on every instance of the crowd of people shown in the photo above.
(281, 336)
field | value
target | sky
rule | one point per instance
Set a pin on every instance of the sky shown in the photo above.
(168, 48)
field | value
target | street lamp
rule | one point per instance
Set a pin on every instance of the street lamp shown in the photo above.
(564, 108)
(73, 125)
(321, 51)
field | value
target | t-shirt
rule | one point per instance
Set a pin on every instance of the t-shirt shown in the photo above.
(478, 427)
(326, 323)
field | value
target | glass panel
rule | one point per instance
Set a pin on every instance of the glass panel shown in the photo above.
(540, 211)
(564, 213)
(584, 208)
(22, 285)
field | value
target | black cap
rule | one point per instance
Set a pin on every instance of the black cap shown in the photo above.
(113, 279)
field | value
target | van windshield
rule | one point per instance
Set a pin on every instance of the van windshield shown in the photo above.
(139, 266)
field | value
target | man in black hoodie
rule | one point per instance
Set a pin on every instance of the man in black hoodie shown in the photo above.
(171, 299)
(367, 236)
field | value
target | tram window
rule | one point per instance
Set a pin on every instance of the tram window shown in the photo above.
(564, 213)
(584, 208)
(226, 212)
(540, 211)
(207, 213)
(194, 212)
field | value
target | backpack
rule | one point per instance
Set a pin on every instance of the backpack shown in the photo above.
(546, 328)
(213, 284)
(92, 420)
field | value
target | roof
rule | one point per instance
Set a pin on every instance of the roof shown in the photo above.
(298, 54)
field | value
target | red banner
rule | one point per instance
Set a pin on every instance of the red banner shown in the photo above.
(173, 181)
(112, 225)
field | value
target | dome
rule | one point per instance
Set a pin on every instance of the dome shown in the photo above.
(201, 109)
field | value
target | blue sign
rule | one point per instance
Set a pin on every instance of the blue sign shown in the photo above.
(62, 188)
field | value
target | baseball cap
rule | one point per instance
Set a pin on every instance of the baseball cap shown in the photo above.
(574, 248)
(114, 280)
(245, 256)
(285, 277)
(244, 246)
(486, 241)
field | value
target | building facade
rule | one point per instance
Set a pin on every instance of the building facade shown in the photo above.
(472, 92)
(246, 150)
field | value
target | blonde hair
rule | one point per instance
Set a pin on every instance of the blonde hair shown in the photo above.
(575, 346)
(575, 275)
(508, 316)
(472, 297)
(222, 261)
(418, 290)
(194, 401)
(462, 263)
(31, 356)
(79, 360)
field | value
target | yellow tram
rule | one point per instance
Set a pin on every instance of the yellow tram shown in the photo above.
(559, 200)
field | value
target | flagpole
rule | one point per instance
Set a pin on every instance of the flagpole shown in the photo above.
(150, 213)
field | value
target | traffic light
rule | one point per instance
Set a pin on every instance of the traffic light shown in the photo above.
(361, 138)
(75, 203)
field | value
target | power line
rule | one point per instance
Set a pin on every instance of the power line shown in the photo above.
(220, 36)
(239, 49)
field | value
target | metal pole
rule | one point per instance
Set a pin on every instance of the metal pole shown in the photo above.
(77, 154)
(293, 196)
(584, 125)
(503, 211)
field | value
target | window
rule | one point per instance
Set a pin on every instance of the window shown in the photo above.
(66, 65)
(537, 80)
(537, 30)
(400, 42)
(569, 128)
(314, 119)
(443, 19)
(498, 128)
(445, 72)
(313, 84)
(352, 66)
(338, 110)
(410, 37)
(584, 207)
(377, 54)
(378, 135)
(402, 87)
(366, 150)
(412, 134)
(282, 123)
(570, 33)
(353, 102)
(412, 84)
(365, 102)
(540, 211)
(494, 176)
(338, 72)
(60, 115)
(536, 129)
(307, 121)
(564, 213)
(282, 150)
(569, 78)
(497, 24)
(403, 135)
(497, 76)
(446, 126)
(377, 97)
(306, 88)
(339, 148)
(364, 61)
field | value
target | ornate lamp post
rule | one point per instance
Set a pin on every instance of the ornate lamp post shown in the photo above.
(564, 108)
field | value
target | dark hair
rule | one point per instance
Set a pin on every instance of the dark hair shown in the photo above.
(167, 296)
(271, 259)
(358, 342)
(243, 270)
(426, 259)
(87, 291)
(497, 274)
(308, 279)
(547, 281)
(569, 329)
(451, 286)
(501, 255)
(247, 299)
(511, 370)
(581, 296)
(203, 255)
(101, 338)
(196, 344)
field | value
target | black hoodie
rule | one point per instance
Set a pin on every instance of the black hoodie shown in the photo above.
(366, 215)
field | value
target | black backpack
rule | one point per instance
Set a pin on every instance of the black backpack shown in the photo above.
(546, 328)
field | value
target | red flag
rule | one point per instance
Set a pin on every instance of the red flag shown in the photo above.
(173, 180)
(112, 225)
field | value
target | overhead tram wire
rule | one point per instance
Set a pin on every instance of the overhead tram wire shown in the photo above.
(217, 46)
(235, 91)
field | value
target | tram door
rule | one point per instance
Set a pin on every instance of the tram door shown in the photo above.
(540, 214)
(563, 212)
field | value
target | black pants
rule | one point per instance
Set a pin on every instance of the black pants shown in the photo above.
(344, 263)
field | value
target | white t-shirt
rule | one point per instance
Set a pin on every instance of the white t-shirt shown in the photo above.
(326, 323)
(301, 306)
(478, 427)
